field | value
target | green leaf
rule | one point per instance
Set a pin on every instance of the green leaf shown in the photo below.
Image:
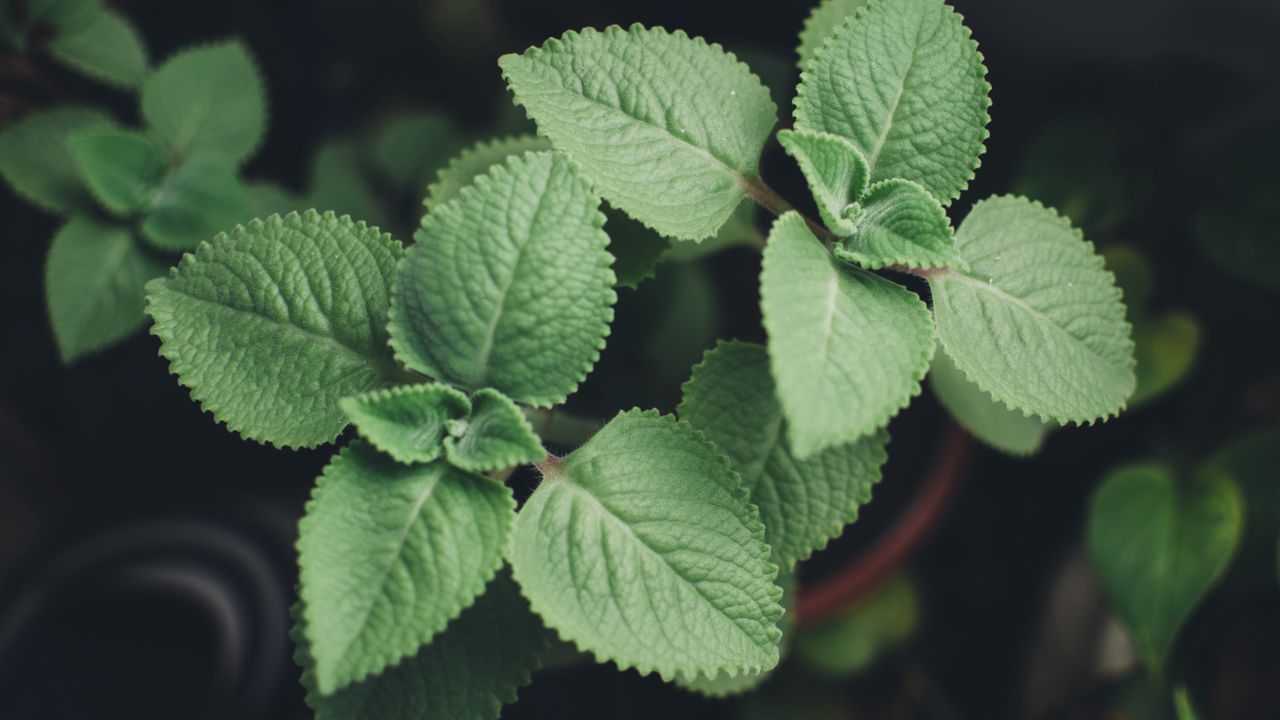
(476, 161)
(848, 349)
(208, 100)
(898, 223)
(1165, 349)
(1159, 546)
(636, 249)
(121, 168)
(468, 672)
(1251, 460)
(339, 182)
(268, 198)
(35, 161)
(641, 548)
(61, 15)
(851, 641)
(93, 285)
(1240, 239)
(823, 21)
(1184, 708)
(198, 200)
(108, 48)
(388, 554)
(739, 229)
(668, 127)
(979, 413)
(508, 286)
(1037, 322)
(835, 170)
(730, 397)
(904, 81)
(410, 148)
(496, 436)
(408, 422)
(272, 324)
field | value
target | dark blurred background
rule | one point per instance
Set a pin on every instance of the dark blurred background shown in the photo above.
(146, 557)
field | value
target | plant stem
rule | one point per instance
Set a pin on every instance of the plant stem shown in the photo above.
(767, 198)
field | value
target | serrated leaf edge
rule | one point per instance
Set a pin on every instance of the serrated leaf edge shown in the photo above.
(391, 393)
(430, 202)
(846, 254)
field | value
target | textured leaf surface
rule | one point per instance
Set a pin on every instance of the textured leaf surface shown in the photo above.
(408, 422)
(835, 170)
(36, 162)
(1037, 321)
(979, 413)
(904, 81)
(208, 100)
(497, 435)
(197, 201)
(107, 48)
(509, 285)
(667, 127)
(898, 223)
(476, 161)
(1159, 546)
(641, 547)
(730, 397)
(848, 349)
(122, 169)
(823, 21)
(388, 554)
(93, 285)
(468, 672)
(272, 324)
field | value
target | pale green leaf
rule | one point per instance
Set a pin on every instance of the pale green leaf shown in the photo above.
(476, 161)
(1037, 322)
(848, 349)
(739, 230)
(409, 422)
(272, 324)
(107, 48)
(496, 436)
(121, 168)
(1159, 545)
(730, 397)
(668, 128)
(409, 148)
(898, 223)
(208, 100)
(36, 162)
(853, 640)
(835, 170)
(388, 554)
(198, 200)
(904, 81)
(823, 21)
(508, 285)
(636, 249)
(642, 548)
(979, 413)
(1165, 350)
(94, 282)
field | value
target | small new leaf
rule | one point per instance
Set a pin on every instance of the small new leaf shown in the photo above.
(496, 436)
(198, 200)
(835, 170)
(979, 413)
(476, 161)
(36, 162)
(121, 168)
(898, 223)
(107, 48)
(408, 422)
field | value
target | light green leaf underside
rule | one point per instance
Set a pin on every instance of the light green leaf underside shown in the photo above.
(1159, 546)
(823, 21)
(497, 436)
(730, 398)
(979, 413)
(107, 48)
(641, 548)
(476, 161)
(388, 554)
(905, 82)
(898, 223)
(121, 168)
(835, 170)
(271, 325)
(1037, 321)
(208, 100)
(509, 285)
(667, 127)
(855, 639)
(198, 200)
(36, 162)
(408, 422)
(94, 282)
(468, 672)
(848, 349)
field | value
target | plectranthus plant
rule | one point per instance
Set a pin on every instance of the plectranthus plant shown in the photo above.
(663, 542)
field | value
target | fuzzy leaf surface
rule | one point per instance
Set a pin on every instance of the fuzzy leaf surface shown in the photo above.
(272, 324)
(408, 422)
(121, 168)
(904, 81)
(198, 200)
(107, 48)
(668, 127)
(642, 548)
(731, 398)
(835, 170)
(991, 422)
(848, 349)
(388, 554)
(36, 162)
(897, 222)
(1037, 321)
(497, 435)
(476, 161)
(509, 286)
(823, 21)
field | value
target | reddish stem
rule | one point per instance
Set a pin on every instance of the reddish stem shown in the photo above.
(863, 572)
